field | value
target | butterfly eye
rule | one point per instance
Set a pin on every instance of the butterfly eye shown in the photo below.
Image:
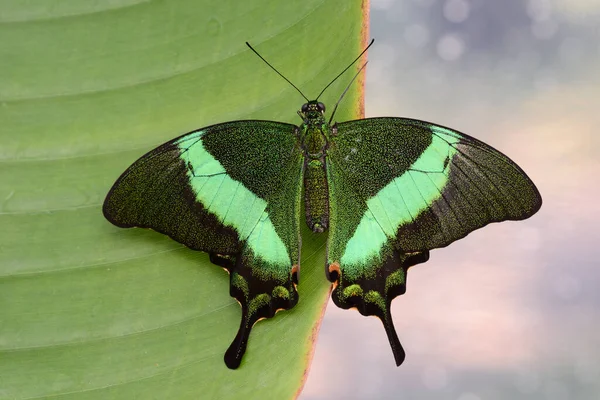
(304, 107)
(321, 106)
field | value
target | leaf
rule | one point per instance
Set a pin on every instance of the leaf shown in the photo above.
(88, 310)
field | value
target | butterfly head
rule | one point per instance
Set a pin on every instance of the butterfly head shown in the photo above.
(312, 109)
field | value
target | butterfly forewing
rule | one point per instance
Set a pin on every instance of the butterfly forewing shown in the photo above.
(427, 185)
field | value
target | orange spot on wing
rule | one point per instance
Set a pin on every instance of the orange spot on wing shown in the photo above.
(335, 267)
(296, 270)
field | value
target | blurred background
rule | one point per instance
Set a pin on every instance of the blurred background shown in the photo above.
(511, 311)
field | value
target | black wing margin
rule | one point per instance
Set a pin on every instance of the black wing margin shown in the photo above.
(154, 192)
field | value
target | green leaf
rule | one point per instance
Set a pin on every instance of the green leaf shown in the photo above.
(88, 310)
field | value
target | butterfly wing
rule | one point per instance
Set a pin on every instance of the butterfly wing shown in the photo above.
(232, 190)
(401, 187)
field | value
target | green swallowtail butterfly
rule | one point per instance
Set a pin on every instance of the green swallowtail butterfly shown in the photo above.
(387, 190)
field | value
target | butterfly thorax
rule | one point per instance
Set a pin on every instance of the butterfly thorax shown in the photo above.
(314, 141)
(314, 132)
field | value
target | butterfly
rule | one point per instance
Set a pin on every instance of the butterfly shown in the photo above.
(387, 190)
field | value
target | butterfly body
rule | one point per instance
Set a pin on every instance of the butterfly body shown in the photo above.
(387, 190)
(314, 134)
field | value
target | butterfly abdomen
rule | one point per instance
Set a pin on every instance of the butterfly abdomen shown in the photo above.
(316, 195)
(316, 192)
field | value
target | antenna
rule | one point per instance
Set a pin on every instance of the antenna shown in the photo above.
(346, 90)
(279, 73)
(345, 69)
(330, 83)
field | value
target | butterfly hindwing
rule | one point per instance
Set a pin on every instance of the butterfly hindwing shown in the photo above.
(401, 187)
(232, 190)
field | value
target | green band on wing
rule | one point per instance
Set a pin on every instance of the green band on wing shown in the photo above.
(266, 244)
(366, 242)
(232, 202)
(402, 200)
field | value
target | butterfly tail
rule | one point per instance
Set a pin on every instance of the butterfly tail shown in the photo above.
(390, 331)
(235, 352)
(259, 295)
